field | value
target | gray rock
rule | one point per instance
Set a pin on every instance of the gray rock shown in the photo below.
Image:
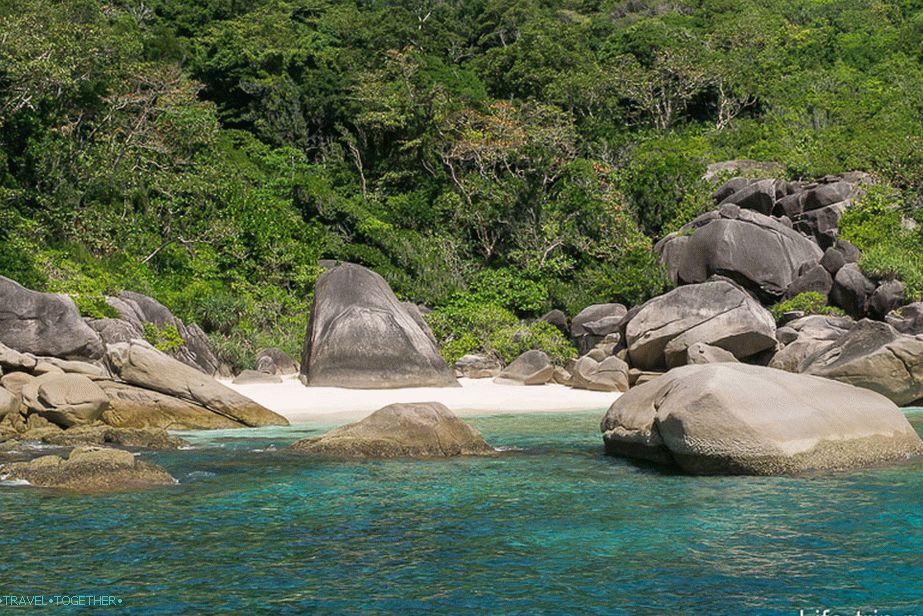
(477, 366)
(850, 253)
(15, 381)
(750, 420)
(815, 279)
(44, 324)
(717, 313)
(907, 319)
(888, 296)
(530, 368)
(360, 336)
(90, 469)
(756, 251)
(759, 196)
(594, 322)
(420, 430)
(729, 188)
(9, 402)
(827, 194)
(610, 374)
(275, 361)
(133, 407)
(700, 353)
(809, 335)
(851, 291)
(558, 319)
(138, 309)
(255, 377)
(65, 399)
(833, 260)
(874, 356)
(138, 363)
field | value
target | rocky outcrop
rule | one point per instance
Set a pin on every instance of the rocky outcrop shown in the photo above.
(594, 323)
(907, 319)
(717, 313)
(805, 337)
(874, 356)
(700, 353)
(751, 420)
(530, 368)
(135, 407)
(852, 290)
(89, 469)
(610, 374)
(275, 361)
(477, 366)
(361, 336)
(44, 324)
(421, 430)
(137, 363)
(135, 310)
(65, 399)
(755, 250)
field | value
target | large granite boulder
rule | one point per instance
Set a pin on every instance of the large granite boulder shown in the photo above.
(717, 313)
(874, 356)
(852, 291)
(360, 336)
(610, 374)
(805, 337)
(751, 420)
(531, 368)
(138, 363)
(757, 251)
(594, 323)
(89, 469)
(44, 324)
(887, 297)
(275, 361)
(907, 319)
(135, 407)
(700, 353)
(477, 366)
(136, 310)
(9, 402)
(419, 430)
(65, 399)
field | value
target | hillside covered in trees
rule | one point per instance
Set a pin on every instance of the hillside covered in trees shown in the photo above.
(491, 159)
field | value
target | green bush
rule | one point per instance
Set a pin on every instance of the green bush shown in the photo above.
(166, 338)
(470, 326)
(889, 249)
(809, 303)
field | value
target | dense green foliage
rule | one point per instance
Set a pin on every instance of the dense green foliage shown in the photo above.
(209, 152)
(809, 302)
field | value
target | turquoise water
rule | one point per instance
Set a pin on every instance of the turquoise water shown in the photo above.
(550, 527)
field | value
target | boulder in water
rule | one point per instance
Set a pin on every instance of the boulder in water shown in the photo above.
(419, 430)
(750, 420)
(89, 469)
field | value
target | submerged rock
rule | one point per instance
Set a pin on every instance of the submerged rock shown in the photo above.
(530, 368)
(89, 469)
(138, 363)
(750, 420)
(44, 324)
(361, 336)
(419, 430)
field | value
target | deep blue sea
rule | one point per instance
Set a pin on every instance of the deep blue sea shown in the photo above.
(552, 526)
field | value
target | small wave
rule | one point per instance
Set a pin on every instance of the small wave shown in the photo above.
(508, 448)
(262, 450)
(13, 482)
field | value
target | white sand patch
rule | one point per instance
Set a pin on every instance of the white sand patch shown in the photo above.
(300, 404)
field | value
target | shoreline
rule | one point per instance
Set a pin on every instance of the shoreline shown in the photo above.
(475, 397)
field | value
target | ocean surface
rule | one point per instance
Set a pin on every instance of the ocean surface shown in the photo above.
(552, 526)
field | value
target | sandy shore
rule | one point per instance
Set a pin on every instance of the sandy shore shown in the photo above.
(300, 404)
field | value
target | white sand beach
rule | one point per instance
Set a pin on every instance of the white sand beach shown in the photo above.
(300, 404)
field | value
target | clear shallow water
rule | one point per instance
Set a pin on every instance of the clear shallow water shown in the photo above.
(552, 527)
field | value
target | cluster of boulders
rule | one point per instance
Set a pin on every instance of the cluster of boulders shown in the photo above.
(69, 381)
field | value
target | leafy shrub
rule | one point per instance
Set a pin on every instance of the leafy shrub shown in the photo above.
(166, 338)
(889, 249)
(470, 326)
(809, 303)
